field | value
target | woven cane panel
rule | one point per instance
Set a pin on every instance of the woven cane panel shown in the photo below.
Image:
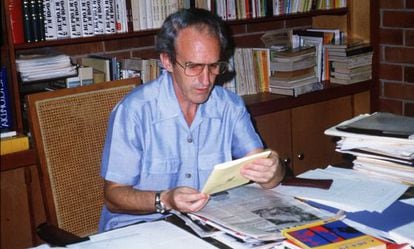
(73, 132)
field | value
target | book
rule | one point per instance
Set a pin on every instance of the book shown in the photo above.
(87, 18)
(98, 17)
(352, 50)
(296, 88)
(14, 144)
(40, 20)
(227, 175)
(50, 20)
(62, 19)
(99, 64)
(75, 20)
(330, 234)
(5, 134)
(16, 20)
(6, 116)
(382, 124)
(289, 75)
(28, 33)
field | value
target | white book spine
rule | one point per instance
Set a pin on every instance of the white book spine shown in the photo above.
(62, 19)
(109, 11)
(75, 21)
(98, 17)
(50, 20)
(120, 16)
(143, 14)
(87, 18)
(135, 9)
(150, 13)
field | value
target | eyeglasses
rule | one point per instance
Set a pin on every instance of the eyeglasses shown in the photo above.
(195, 69)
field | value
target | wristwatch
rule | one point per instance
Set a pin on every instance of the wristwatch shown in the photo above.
(159, 205)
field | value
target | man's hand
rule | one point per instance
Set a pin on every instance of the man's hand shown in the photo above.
(184, 199)
(267, 172)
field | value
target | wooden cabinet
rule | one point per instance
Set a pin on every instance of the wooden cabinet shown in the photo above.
(297, 133)
(21, 207)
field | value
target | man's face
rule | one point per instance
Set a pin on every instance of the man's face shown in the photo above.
(194, 46)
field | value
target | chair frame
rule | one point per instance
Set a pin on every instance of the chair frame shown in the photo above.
(36, 130)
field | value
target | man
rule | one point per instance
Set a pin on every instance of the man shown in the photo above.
(165, 137)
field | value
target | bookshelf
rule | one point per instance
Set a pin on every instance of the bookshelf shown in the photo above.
(281, 120)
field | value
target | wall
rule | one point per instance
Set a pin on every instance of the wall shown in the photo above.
(396, 58)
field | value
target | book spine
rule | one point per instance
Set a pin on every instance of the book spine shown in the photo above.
(87, 18)
(120, 14)
(34, 20)
(75, 21)
(49, 13)
(129, 11)
(28, 36)
(109, 15)
(5, 103)
(98, 16)
(16, 21)
(41, 20)
(62, 19)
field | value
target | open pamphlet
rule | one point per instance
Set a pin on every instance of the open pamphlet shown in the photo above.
(251, 213)
(227, 175)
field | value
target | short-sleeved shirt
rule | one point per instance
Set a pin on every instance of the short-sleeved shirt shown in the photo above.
(150, 146)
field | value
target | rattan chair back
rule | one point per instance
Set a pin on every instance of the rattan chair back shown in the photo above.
(68, 127)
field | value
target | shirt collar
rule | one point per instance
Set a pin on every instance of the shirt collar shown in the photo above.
(168, 106)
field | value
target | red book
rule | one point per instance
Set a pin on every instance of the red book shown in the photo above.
(16, 21)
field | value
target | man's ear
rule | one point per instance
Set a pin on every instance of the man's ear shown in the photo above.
(166, 62)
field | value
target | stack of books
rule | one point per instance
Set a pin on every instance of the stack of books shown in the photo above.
(293, 71)
(350, 61)
(382, 144)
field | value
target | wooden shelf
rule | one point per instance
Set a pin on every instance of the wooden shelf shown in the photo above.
(60, 42)
(263, 103)
(18, 160)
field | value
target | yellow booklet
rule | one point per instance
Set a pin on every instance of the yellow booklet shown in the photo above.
(227, 175)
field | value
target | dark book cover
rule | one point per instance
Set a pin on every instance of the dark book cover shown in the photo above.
(34, 20)
(16, 21)
(5, 107)
(28, 32)
(40, 20)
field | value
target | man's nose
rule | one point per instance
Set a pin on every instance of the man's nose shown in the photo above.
(205, 76)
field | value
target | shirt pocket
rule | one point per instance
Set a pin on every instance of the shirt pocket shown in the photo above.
(206, 164)
(160, 173)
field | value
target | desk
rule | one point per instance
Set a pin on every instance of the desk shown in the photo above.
(158, 234)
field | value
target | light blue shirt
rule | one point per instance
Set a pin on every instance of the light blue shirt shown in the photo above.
(150, 146)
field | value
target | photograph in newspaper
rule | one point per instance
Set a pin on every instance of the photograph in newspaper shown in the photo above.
(257, 213)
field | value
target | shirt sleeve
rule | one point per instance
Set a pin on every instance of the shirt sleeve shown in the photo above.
(122, 151)
(245, 137)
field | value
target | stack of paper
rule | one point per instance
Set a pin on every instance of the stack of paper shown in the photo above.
(350, 191)
(253, 214)
(382, 143)
(44, 64)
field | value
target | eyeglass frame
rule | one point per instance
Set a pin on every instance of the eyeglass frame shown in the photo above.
(186, 64)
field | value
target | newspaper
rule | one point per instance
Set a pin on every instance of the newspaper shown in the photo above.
(252, 213)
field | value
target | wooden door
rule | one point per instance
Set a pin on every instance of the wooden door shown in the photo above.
(275, 131)
(311, 148)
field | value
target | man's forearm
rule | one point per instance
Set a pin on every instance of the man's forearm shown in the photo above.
(125, 199)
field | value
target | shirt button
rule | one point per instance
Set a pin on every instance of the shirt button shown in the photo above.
(188, 175)
(189, 140)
